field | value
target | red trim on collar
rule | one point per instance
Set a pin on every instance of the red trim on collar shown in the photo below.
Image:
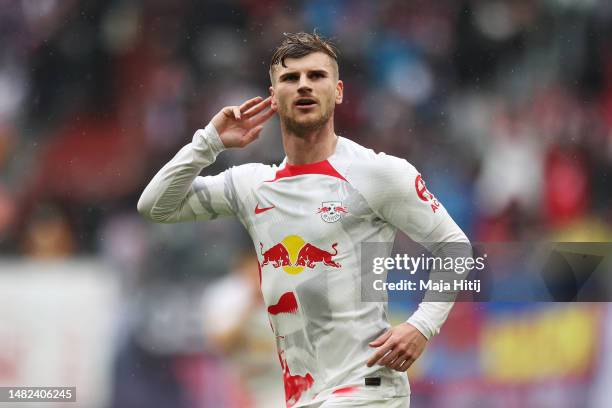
(322, 167)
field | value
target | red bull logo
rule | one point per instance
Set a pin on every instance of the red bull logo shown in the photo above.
(332, 211)
(277, 255)
(310, 255)
(293, 254)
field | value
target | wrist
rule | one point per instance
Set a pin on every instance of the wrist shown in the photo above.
(213, 139)
(424, 330)
(207, 143)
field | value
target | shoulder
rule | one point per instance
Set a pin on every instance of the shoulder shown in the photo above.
(245, 176)
(365, 167)
(253, 172)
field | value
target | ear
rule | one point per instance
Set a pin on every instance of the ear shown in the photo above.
(273, 101)
(339, 92)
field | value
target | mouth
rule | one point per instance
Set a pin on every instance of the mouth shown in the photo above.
(305, 103)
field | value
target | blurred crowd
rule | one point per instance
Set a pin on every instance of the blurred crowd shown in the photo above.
(504, 106)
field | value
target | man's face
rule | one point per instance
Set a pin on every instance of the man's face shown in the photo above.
(305, 92)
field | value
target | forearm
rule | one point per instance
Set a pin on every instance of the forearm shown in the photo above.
(165, 199)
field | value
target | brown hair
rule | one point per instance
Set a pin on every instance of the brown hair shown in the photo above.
(298, 45)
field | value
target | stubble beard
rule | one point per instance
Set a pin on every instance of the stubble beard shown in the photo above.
(301, 129)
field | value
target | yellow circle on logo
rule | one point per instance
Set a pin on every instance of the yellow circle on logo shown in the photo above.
(293, 244)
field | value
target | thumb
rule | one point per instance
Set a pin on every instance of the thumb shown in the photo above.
(381, 339)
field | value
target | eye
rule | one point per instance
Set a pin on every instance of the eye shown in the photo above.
(317, 75)
(290, 77)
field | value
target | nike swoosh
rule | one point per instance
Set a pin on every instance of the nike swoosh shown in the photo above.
(260, 210)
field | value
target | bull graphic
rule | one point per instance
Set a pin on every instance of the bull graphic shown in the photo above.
(309, 255)
(277, 255)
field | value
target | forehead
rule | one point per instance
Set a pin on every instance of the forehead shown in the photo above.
(314, 61)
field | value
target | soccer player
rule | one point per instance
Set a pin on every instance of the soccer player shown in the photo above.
(307, 218)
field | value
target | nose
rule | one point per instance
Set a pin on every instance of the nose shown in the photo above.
(304, 85)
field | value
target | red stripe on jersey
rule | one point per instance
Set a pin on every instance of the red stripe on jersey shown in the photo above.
(322, 167)
(345, 390)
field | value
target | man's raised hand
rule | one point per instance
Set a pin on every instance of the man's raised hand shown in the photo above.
(240, 125)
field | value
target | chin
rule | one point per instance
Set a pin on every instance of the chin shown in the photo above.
(311, 122)
(300, 122)
(301, 126)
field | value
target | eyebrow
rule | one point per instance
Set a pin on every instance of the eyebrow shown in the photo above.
(313, 71)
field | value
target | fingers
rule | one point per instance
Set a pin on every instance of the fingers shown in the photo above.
(236, 112)
(395, 365)
(249, 104)
(402, 362)
(255, 106)
(262, 118)
(392, 353)
(384, 349)
(406, 364)
(390, 357)
(395, 357)
(249, 109)
(381, 339)
(251, 135)
(398, 348)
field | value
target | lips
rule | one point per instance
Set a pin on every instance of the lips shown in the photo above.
(305, 103)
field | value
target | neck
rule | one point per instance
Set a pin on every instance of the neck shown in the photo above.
(312, 146)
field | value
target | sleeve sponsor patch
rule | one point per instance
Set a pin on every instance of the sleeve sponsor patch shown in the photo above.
(424, 194)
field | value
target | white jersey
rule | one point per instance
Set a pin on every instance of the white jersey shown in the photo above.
(307, 223)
